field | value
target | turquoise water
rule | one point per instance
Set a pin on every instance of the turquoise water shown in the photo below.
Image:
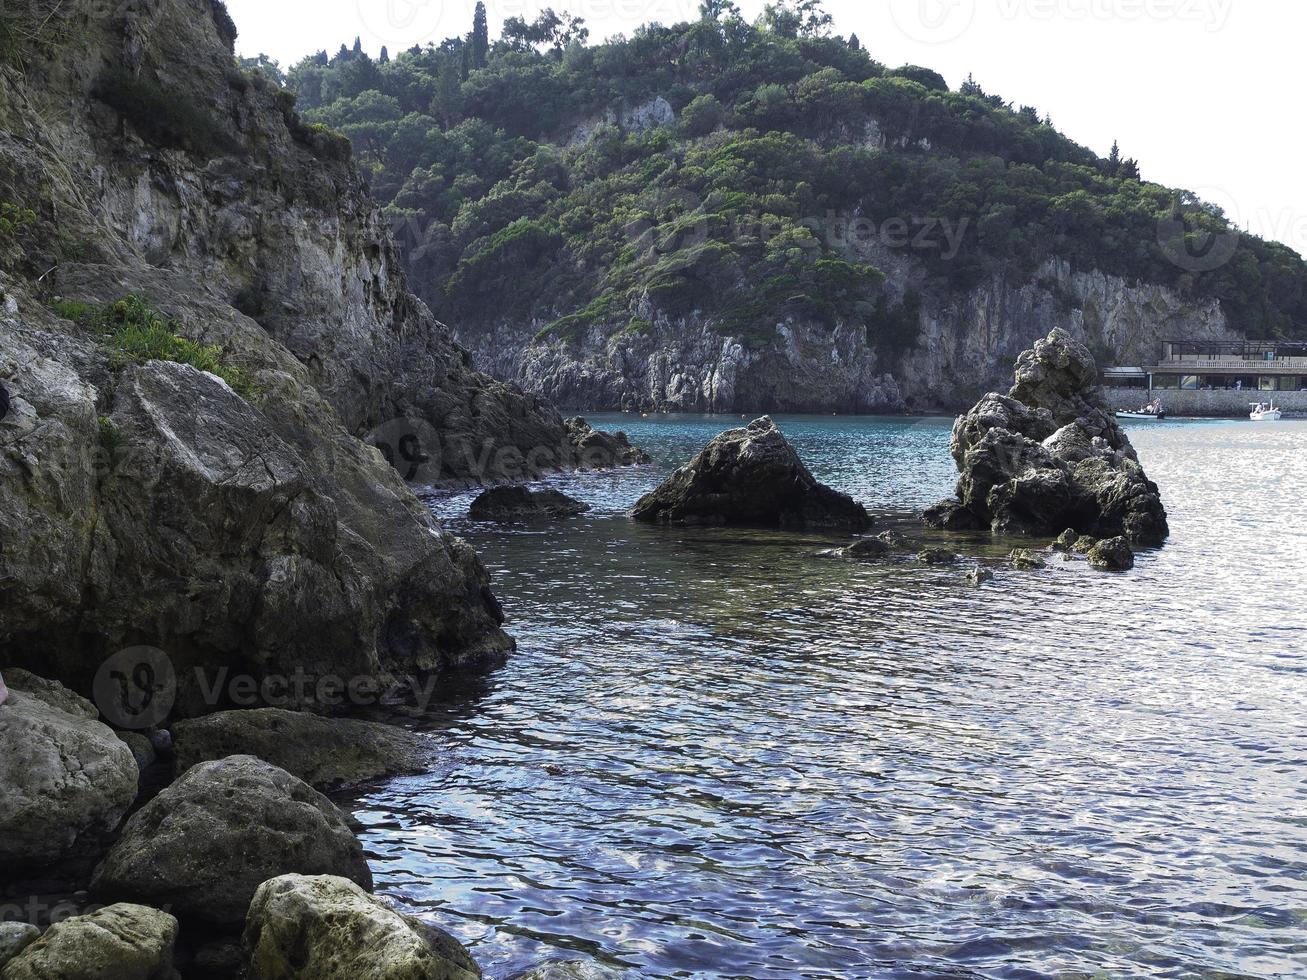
(718, 753)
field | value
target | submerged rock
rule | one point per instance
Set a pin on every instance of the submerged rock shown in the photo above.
(119, 942)
(205, 844)
(1112, 555)
(1066, 541)
(65, 782)
(1049, 455)
(749, 476)
(1027, 561)
(867, 549)
(327, 928)
(595, 450)
(517, 503)
(937, 556)
(979, 576)
(321, 751)
(569, 970)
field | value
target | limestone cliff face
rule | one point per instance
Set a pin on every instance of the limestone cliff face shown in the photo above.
(968, 344)
(151, 503)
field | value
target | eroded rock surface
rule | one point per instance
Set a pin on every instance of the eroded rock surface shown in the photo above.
(1050, 456)
(327, 928)
(118, 942)
(205, 844)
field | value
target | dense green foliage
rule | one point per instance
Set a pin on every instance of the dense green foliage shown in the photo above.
(136, 333)
(792, 147)
(165, 117)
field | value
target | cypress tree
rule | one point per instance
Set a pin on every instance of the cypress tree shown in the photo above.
(480, 36)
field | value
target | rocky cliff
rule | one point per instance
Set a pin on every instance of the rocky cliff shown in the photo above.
(967, 344)
(234, 521)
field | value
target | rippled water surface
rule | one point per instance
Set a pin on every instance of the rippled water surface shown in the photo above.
(719, 754)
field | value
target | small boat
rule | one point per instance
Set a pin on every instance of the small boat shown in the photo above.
(1144, 416)
(1262, 412)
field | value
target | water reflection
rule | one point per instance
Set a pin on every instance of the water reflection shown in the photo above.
(719, 754)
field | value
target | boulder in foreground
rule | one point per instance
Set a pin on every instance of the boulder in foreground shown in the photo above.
(204, 845)
(324, 752)
(65, 782)
(750, 476)
(517, 503)
(119, 942)
(1049, 456)
(327, 928)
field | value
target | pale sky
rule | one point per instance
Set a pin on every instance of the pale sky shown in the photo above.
(1200, 91)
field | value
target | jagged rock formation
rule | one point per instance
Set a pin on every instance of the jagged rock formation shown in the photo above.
(966, 345)
(153, 503)
(1049, 456)
(749, 476)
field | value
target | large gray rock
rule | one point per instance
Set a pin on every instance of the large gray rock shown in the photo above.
(749, 476)
(327, 928)
(119, 942)
(516, 503)
(1050, 456)
(205, 844)
(321, 751)
(67, 782)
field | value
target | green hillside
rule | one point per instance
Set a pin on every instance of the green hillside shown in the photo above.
(790, 144)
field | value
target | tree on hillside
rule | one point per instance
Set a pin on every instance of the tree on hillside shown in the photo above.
(552, 30)
(794, 18)
(717, 9)
(480, 36)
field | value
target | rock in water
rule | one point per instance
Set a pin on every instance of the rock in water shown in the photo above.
(979, 576)
(1049, 456)
(596, 450)
(750, 476)
(119, 942)
(205, 844)
(1112, 555)
(65, 782)
(517, 503)
(937, 556)
(327, 928)
(1027, 561)
(866, 550)
(321, 751)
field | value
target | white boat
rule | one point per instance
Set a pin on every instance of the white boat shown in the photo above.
(1262, 412)
(1144, 416)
